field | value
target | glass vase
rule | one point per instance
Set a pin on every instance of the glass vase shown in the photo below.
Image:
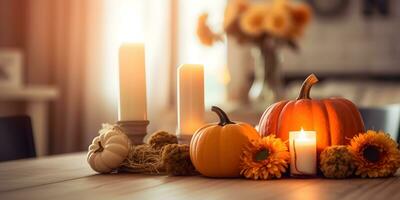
(267, 87)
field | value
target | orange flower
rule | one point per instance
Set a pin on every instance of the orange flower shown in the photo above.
(232, 12)
(248, 21)
(253, 18)
(205, 34)
(301, 16)
(279, 21)
(265, 158)
(279, 3)
(375, 154)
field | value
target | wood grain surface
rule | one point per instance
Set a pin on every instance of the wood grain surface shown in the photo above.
(69, 177)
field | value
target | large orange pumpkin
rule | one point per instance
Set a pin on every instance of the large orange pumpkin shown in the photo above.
(215, 149)
(336, 120)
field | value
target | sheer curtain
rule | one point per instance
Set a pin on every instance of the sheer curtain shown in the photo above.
(56, 55)
(73, 44)
(129, 21)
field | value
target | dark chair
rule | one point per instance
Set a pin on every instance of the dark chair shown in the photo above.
(386, 118)
(16, 138)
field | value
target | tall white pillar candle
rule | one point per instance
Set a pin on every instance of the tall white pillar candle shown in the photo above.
(303, 153)
(190, 98)
(132, 104)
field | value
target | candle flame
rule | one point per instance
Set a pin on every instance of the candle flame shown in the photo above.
(302, 134)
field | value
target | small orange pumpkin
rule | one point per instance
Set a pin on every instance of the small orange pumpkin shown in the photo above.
(336, 120)
(215, 149)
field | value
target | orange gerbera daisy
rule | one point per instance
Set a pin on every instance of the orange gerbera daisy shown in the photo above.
(265, 158)
(375, 154)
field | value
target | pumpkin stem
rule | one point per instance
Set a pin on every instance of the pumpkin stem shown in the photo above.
(100, 149)
(306, 87)
(223, 118)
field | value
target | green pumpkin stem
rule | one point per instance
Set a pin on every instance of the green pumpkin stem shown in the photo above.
(223, 118)
(306, 87)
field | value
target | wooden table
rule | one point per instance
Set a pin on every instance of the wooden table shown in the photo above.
(69, 177)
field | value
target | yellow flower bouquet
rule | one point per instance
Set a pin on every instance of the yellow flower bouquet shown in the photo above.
(259, 21)
(267, 25)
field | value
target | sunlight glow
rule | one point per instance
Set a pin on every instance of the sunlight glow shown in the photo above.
(192, 51)
(124, 22)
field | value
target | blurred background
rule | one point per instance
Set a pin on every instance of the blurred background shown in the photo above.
(59, 61)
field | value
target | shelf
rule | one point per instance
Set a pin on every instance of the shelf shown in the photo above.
(36, 99)
(29, 93)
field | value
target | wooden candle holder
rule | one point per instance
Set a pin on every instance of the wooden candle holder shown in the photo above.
(136, 130)
(183, 138)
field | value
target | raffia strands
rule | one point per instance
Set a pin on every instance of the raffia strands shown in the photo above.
(143, 159)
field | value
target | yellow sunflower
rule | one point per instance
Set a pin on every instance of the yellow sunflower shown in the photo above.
(205, 34)
(279, 21)
(265, 158)
(232, 12)
(375, 154)
(253, 18)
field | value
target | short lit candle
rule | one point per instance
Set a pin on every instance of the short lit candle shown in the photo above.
(190, 98)
(303, 153)
(132, 83)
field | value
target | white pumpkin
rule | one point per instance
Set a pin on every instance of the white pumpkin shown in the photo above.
(109, 149)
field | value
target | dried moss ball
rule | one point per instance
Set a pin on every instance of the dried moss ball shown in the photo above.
(161, 138)
(176, 160)
(337, 162)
